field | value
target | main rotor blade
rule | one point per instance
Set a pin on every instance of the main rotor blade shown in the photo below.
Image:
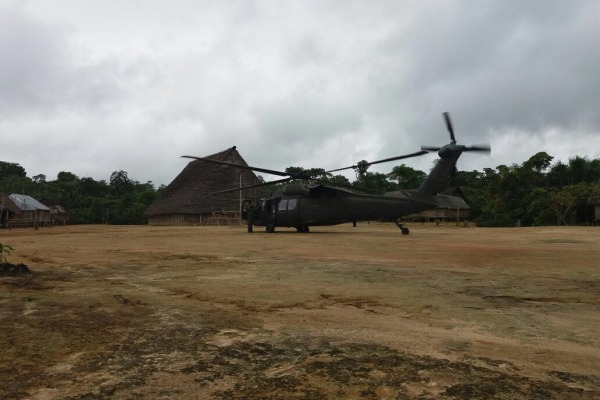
(253, 186)
(484, 147)
(450, 127)
(266, 171)
(418, 153)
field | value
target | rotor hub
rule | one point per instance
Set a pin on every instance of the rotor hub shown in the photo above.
(450, 150)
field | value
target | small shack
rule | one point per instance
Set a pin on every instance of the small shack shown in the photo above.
(8, 210)
(27, 211)
(191, 199)
(58, 214)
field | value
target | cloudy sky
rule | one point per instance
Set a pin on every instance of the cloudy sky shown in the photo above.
(93, 87)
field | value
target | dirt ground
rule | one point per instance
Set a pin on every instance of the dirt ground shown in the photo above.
(339, 313)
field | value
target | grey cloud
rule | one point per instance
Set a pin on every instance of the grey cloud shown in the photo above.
(293, 83)
(527, 66)
(39, 74)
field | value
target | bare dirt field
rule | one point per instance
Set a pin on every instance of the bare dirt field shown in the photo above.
(339, 313)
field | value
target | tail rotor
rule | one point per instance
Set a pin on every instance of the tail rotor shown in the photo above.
(484, 148)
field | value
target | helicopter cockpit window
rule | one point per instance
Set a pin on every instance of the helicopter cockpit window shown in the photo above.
(292, 203)
(282, 205)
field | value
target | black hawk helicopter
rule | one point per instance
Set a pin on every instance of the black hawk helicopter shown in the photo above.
(302, 205)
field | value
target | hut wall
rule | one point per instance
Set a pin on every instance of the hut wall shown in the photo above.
(444, 213)
(175, 219)
(30, 218)
(58, 215)
(219, 218)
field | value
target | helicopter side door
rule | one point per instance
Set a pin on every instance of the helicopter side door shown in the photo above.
(287, 212)
(270, 212)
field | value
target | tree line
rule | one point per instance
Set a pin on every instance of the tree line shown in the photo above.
(120, 200)
(536, 192)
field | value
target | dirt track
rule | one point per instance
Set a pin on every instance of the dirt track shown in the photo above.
(342, 312)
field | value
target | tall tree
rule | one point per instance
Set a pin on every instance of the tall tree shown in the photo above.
(407, 177)
(120, 182)
(564, 202)
(9, 169)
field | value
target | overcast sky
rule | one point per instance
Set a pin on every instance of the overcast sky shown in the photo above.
(93, 87)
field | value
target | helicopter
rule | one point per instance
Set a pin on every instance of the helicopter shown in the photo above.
(301, 205)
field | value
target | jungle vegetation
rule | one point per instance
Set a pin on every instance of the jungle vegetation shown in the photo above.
(537, 192)
(120, 200)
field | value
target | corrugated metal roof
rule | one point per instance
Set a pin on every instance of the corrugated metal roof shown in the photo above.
(6, 203)
(27, 203)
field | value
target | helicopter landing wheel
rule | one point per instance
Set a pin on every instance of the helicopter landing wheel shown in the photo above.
(250, 230)
(405, 231)
(302, 229)
(270, 228)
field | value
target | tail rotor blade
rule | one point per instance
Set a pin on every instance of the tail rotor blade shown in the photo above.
(485, 148)
(450, 127)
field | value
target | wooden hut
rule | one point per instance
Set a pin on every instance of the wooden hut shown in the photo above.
(29, 212)
(58, 214)
(8, 210)
(191, 200)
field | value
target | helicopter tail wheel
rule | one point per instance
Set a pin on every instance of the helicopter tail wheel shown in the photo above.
(270, 228)
(402, 228)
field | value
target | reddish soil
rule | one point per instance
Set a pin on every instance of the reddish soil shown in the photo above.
(339, 313)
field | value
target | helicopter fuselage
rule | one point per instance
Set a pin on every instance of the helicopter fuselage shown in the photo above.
(301, 206)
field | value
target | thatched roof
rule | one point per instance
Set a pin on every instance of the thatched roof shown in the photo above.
(191, 192)
(6, 203)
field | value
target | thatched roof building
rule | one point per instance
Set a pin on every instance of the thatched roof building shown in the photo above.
(190, 198)
(444, 214)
